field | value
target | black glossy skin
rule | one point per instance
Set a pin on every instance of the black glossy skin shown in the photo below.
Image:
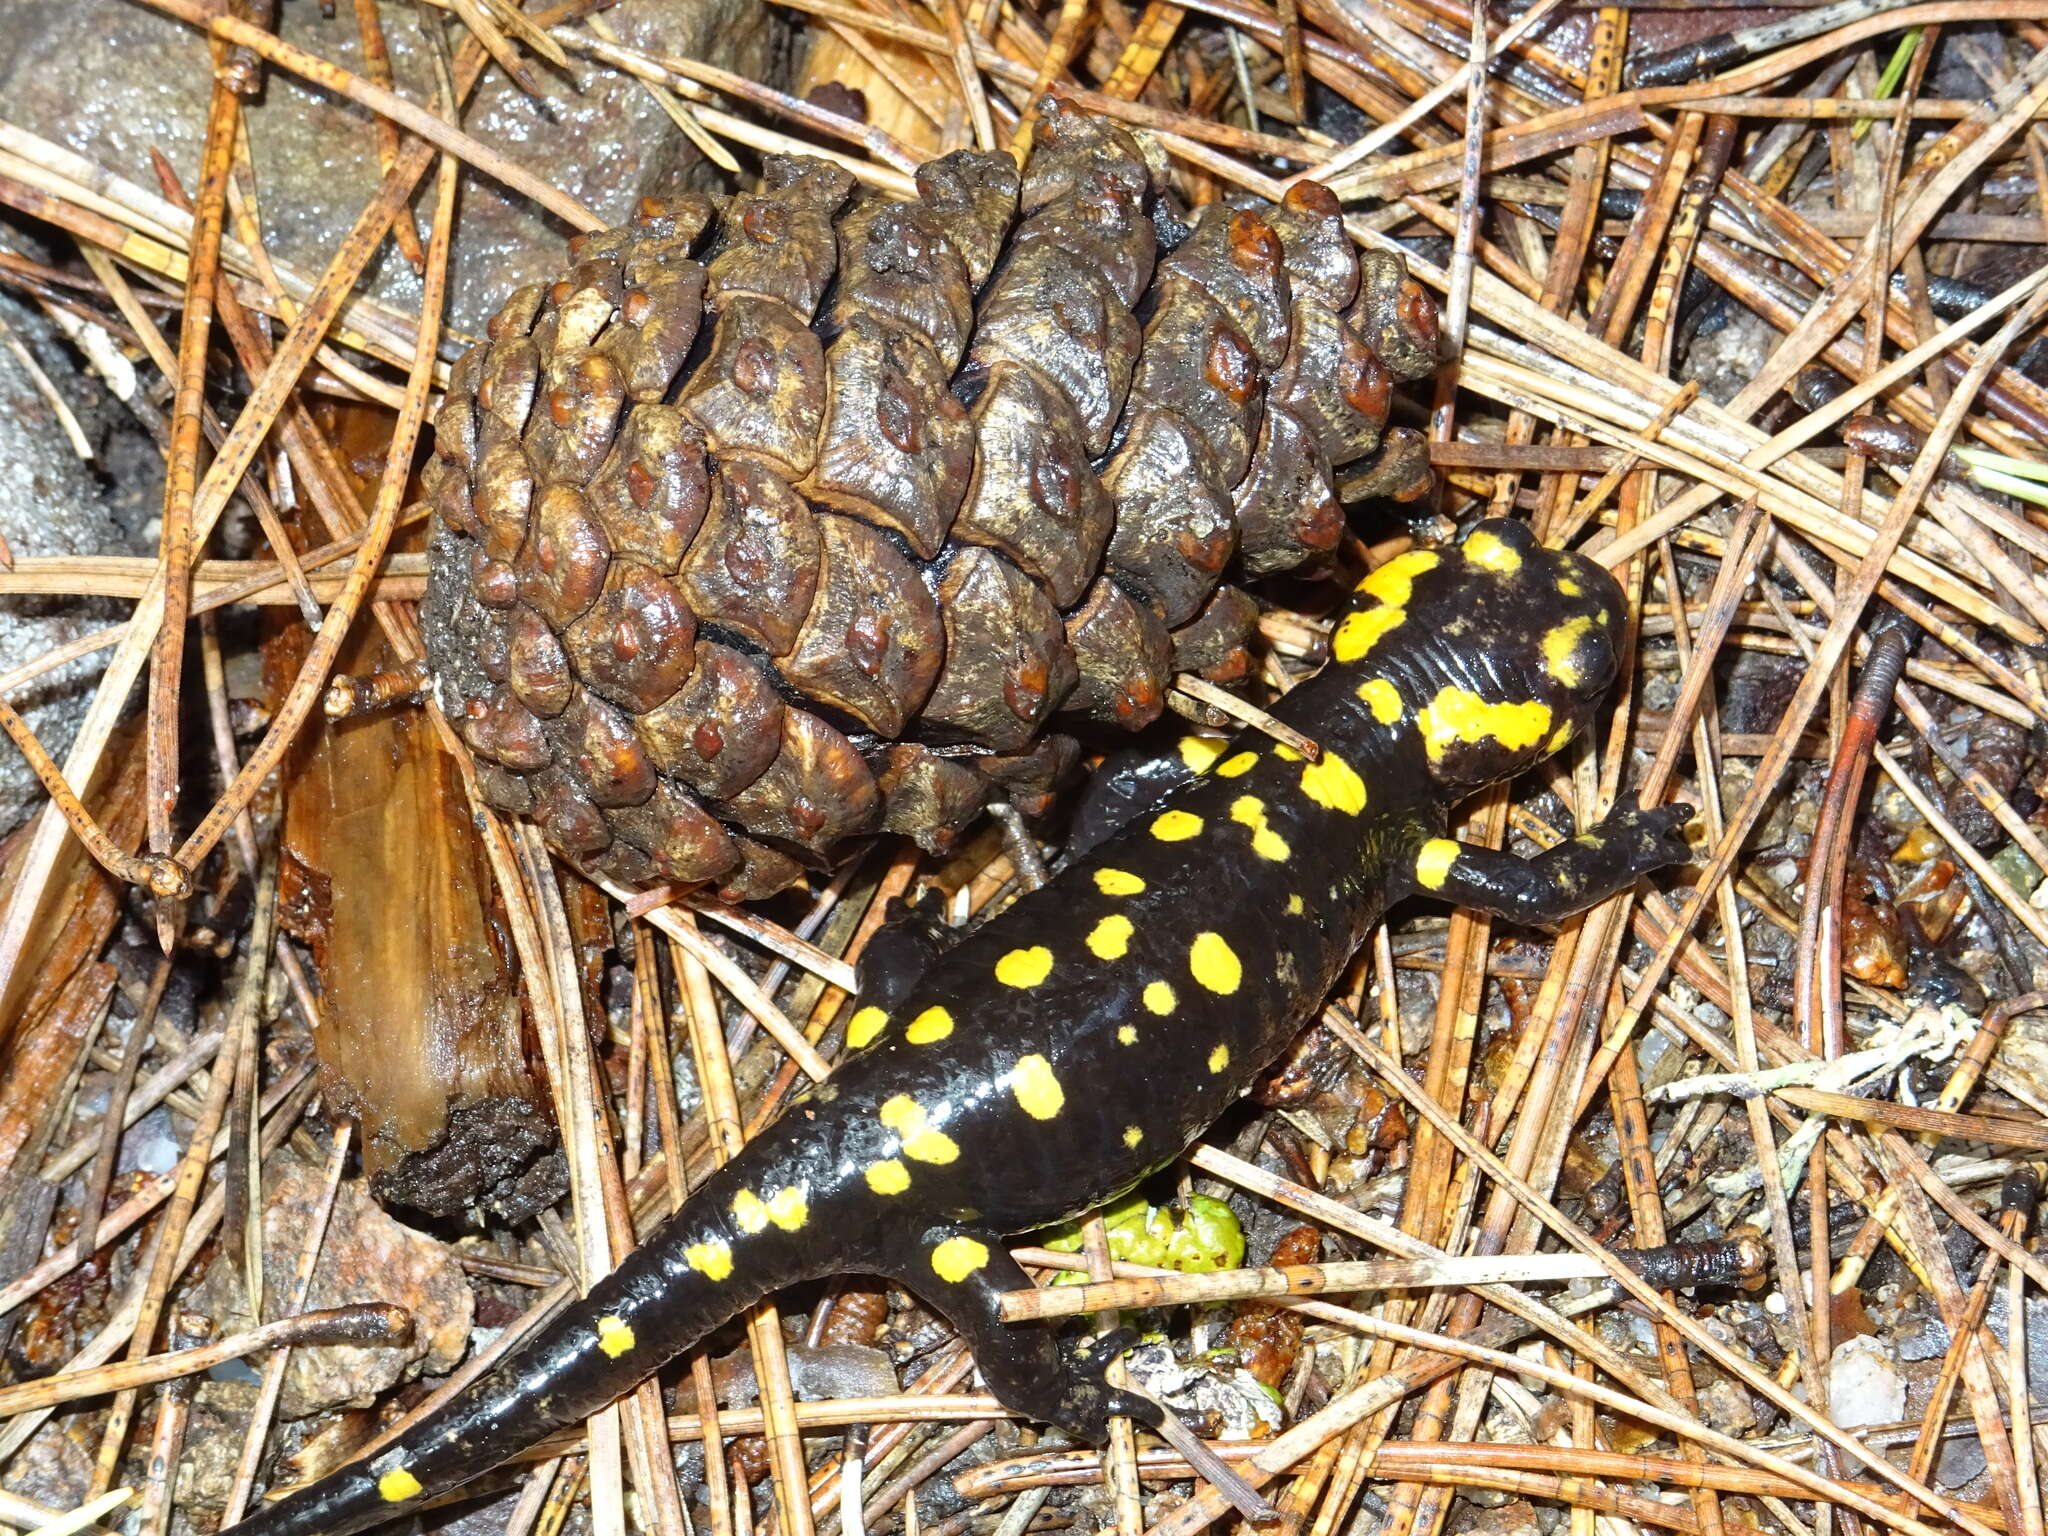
(1095, 1028)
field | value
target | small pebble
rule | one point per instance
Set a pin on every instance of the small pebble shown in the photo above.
(1864, 1387)
(1962, 1462)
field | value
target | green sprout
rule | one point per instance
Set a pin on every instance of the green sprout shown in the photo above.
(1894, 72)
(2021, 478)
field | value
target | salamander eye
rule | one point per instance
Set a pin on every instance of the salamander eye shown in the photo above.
(1578, 653)
(1499, 546)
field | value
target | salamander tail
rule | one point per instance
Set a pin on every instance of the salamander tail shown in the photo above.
(733, 1244)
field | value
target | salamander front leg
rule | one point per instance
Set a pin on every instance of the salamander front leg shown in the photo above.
(912, 939)
(964, 1274)
(1559, 881)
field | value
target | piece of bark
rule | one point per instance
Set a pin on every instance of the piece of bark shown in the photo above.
(422, 1037)
(60, 981)
(589, 912)
(63, 1000)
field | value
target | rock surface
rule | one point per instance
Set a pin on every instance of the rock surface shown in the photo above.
(55, 1468)
(51, 503)
(366, 1256)
(113, 80)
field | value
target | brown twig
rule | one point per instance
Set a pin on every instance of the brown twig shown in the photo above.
(304, 692)
(294, 1310)
(369, 1322)
(160, 875)
(177, 545)
(169, 1237)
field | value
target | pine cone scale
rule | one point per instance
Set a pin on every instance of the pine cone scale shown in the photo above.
(897, 448)
(761, 392)
(1034, 496)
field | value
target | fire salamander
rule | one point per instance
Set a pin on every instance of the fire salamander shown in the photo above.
(1079, 1041)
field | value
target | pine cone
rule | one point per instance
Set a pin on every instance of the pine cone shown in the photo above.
(721, 581)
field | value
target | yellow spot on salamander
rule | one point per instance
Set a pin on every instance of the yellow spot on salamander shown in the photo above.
(712, 1260)
(788, 1209)
(1250, 811)
(1294, 905)
(1132, 1136)
(1215, 964)
(1159, 998)
(1360, 632)
(1433, 864)
(912, 1125)
(1334, 784)
(1382, 698)
(932, 1147)
(903, 1115)
(1394, 582)
(1219, 1058)
(748, 1212)
(1024, 967)
(1110, 939)
(1127, 1034)
(864, 1026)
(888, 1177)
(1198, 752)
(1493, 552)
(614, 1336)
(1118, 882)
(957, 1258)
(1561, 651)
(1237, 765)
(1569, 587)
(1176, 826)
(398, 1485)
(934, 1023)
(1287, 754)
(1036, 1089)
(1460, 715)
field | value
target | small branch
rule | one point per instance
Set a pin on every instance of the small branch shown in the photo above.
(372, 1324)
(1246, 712)
(1294, 1280)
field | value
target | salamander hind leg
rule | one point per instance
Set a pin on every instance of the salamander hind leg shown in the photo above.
(1554, 884)
(964, 1273)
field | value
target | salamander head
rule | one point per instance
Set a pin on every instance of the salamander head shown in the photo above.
(1496, 652)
